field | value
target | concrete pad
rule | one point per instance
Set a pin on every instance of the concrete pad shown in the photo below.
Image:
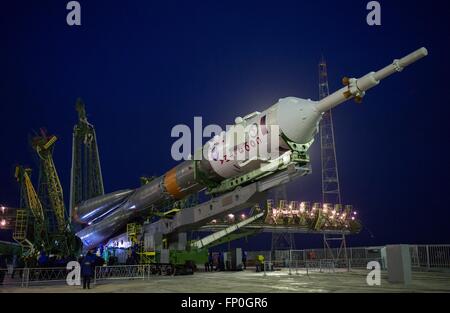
(251, 282)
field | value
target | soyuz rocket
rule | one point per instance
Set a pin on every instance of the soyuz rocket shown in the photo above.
(297, 122)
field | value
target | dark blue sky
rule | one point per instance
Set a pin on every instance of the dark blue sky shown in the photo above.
(144, 66)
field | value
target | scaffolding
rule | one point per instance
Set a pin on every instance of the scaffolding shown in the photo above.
(86, 179)
(50, 185)
(331, 192)
(29, 197)
(280, 240)
(20, 229)
(32, 210)
(135, 237)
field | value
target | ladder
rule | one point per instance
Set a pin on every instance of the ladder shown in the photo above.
(20, 230)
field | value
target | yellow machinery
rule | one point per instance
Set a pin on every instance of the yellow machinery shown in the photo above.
(134, 231)
(44, 145)
(30, 196)
(31, 203)
(20, 229)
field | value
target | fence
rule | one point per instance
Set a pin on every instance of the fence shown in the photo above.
(430, 257)
(9, 277)
(423, 257)
(130, 272)
(307, 267)
(23, 277)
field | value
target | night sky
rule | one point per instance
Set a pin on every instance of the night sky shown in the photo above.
(143, 67)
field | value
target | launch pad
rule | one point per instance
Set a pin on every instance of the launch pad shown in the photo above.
(251, 282)
(236, 174)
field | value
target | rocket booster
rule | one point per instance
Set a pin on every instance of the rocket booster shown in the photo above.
(297, 122)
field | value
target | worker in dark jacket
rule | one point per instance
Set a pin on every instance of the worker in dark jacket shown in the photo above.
(43, 259)
(210, 261)
(244, 259)
(87, 269)
(3, 268)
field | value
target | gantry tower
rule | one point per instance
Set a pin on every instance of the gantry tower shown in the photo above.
(86, 176)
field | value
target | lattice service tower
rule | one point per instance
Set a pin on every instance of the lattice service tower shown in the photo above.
(86, 179)
(331, 192)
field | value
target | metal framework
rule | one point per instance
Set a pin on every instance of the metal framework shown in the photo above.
(331, 192)
(30, 203)
(341, 251)
(20, 229)
(86, 176)
(50, 185)
(280, 240)
(29, 197)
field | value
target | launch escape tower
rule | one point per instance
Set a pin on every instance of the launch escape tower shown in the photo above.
(86, 179)
(331, 192)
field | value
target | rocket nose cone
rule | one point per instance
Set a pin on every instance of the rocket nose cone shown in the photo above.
(298, 119)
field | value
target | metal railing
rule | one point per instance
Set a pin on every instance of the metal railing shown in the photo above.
(302, 267)
(315, 266)
(16, 277)
(130, 272)
(430, 257)
(423, 257)
(119, 272)
(24, 277)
